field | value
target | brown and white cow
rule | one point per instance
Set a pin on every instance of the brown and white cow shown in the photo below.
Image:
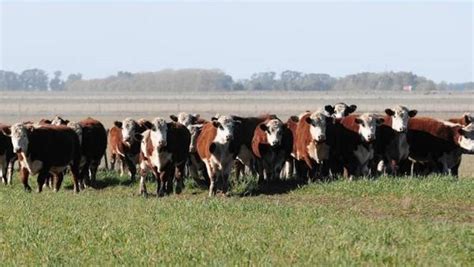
(164, 151)
(439, 144)
(217, 148)
(7, 157)
(355, 136)
(391, 146)
(124, 143)
(46, 150)
(312, 143)
(342, 110)
(272, 145)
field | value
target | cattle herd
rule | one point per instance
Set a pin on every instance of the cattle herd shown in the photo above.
(324, 144)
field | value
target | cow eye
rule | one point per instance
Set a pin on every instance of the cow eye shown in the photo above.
(220, 127)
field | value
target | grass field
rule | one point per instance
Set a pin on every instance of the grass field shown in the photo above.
(388, 221)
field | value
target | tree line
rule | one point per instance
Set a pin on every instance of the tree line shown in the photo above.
(197, 80)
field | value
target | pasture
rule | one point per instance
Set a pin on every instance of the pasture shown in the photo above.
(386, 221)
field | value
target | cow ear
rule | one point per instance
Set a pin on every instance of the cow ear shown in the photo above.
(149, 125)
(47, 121)
(118, 124)
(212, 148)
(66, 122)
(309, 120)
(412, 113)
(6, 131)
(358, 121)
(329, 109)
(380, 121)
(174, 118)
(389, 112)
(216, 123)
(350, 109)
(467, 118)
(263, 127)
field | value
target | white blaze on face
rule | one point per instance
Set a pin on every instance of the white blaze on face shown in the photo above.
(56, 121)
(339, 110)
(225, 129)
(317, 127)
(400, 116)
(274, 131)
(185, 119)
(194, 130)
(159, 133)
(466, 141)
(129, 127)
(367, 126)
(19, 138)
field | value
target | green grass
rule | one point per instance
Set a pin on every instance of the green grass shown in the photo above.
(390, 221)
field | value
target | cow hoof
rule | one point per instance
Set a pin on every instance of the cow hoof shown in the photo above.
(144, 194)
(27, 189)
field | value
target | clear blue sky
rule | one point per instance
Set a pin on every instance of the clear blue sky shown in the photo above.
(433, 39)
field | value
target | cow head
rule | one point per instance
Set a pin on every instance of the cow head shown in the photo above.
(318, 122)
(59, 121)
(367, 126)
(225, 129)
(195, 130)
(273, 130)
(19, 136)
(466, 139)
(159, 133)
(129, 130)
(185, 119)
(468, 118)
(342, 110)
(77, 129)
(400, 116)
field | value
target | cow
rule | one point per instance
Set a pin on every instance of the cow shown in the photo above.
(194, 123)
(438, 145)
(124, 143)
(217, 148)
(291, 124)
(313, 138)
(59, 121)
(7, 157)
(342, 110)
(354, 146)
(243, 138)
(164, 151)
(391, 146)
(93, 140)
(46, 150)
(272, 145)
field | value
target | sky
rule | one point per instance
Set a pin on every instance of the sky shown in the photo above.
(100, 38)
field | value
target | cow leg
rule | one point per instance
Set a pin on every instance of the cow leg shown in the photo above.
(179, 178)
(42, 176)
(58, 180)
(3, 172)
(143, 171)
(24, 173)
(132, 169)
(212, 180)
(75, 177)
(260, 171)
(161, 183)
(113, 159)
(94, 166)
(83, 175)
(10, 171)
(239, 169)
(455, 170)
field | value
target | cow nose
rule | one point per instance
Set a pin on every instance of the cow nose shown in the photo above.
(321, 137)
(402, 129)
(371, 137)
(228, 137)
(274, 143)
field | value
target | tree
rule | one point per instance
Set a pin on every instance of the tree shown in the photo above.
(56, 84)
(9, 80)
(34, 79)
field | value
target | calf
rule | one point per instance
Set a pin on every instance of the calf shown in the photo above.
(46, 150)
(355, 135)
(164, 151)
(7, 157)
(93, 139)
(439, 144)
(217, 148)
(391, 146)
(311, 145)
(124, 143)
(342, 110)
(272, 145)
